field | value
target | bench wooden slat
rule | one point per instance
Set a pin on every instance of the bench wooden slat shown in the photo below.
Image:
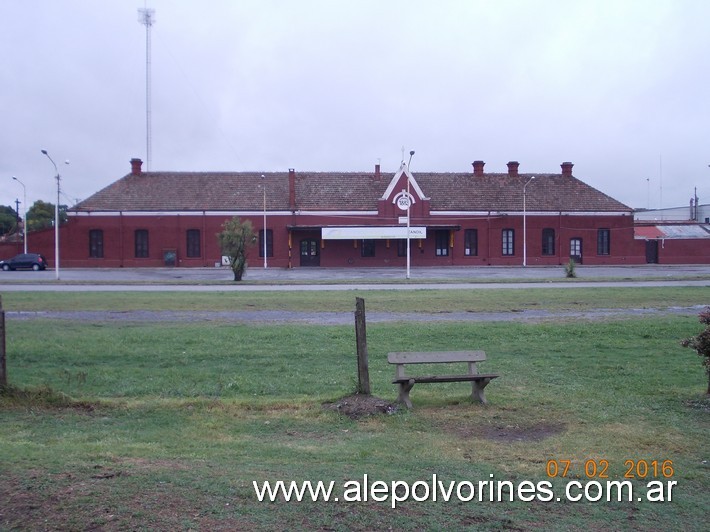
(435, 357)
(447, 378)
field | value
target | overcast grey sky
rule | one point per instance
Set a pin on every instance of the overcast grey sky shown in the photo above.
(620, 88)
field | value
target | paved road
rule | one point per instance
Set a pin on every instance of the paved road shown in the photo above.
(258, 279)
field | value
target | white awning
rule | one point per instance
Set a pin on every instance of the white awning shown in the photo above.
(367, 233)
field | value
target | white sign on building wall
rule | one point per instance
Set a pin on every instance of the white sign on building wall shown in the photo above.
(367, 233)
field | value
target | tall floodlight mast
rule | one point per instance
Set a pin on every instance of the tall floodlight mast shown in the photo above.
(146, 17)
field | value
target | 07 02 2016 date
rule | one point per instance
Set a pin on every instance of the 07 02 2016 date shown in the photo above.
(634, 469)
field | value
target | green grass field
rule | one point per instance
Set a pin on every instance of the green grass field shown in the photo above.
(129, 426)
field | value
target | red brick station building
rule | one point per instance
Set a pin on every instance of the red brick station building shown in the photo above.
(337, 219)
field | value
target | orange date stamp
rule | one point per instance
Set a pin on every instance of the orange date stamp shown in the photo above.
(633, 469)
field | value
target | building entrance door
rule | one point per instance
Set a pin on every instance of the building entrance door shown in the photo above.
(652, 251)
(575, 250)
(310, 252)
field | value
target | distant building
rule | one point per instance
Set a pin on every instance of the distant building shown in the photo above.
(690, 213)
(676, 235)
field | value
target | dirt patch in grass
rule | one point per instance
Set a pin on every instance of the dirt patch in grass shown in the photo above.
(87, 500)
(502, 430)
(511, 433)
(139, 464)
(358, 406)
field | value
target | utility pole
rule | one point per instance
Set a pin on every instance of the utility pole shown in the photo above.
(3, 349)
(363, 370)
(25, 229)
(17, 218)
(147, 18)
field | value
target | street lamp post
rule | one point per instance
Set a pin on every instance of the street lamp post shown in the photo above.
(56, 216)
(263, 182)
(409, 210)
(525, 228)
(24, 222)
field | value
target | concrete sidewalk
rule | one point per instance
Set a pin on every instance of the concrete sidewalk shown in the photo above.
(358, 276)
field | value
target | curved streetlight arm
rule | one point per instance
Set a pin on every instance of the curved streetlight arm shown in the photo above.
(52, 161)
(526, 184)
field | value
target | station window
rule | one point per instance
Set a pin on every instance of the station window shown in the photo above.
(548, 241)
(141, 243)
(508, 241)
(470, 242)
(96, 244)
(193, 243)
(603, 242)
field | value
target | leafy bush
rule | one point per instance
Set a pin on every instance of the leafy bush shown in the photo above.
(570, 269)
(701, 342)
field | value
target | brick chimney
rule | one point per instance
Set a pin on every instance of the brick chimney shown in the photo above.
(377, 172)
(513, 168)
(478, 168)
(136, 166)
(566, 169)
(292, 189)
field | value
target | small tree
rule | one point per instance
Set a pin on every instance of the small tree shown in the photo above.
(8, 219)
(701, 342)
(41, 215)
(570, 269)
(234, 240)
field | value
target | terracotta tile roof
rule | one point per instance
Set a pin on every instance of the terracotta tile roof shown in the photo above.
(339, 191)
(215, 191)
(501, 192)
(190, 191)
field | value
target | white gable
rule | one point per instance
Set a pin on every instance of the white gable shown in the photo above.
(414, 189)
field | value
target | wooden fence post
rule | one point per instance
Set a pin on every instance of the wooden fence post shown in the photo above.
(3, 365)
(363, 372)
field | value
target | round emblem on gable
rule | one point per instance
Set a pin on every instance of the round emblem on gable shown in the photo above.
(403, 201)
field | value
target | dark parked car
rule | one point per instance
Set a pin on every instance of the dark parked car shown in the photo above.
(34, 261)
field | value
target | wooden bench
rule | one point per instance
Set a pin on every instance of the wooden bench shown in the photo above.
(478, 380)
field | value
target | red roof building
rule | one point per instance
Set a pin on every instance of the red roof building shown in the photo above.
(342, 219)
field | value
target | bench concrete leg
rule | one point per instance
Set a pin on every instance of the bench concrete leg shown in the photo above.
(478, 394)
(404, 388)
